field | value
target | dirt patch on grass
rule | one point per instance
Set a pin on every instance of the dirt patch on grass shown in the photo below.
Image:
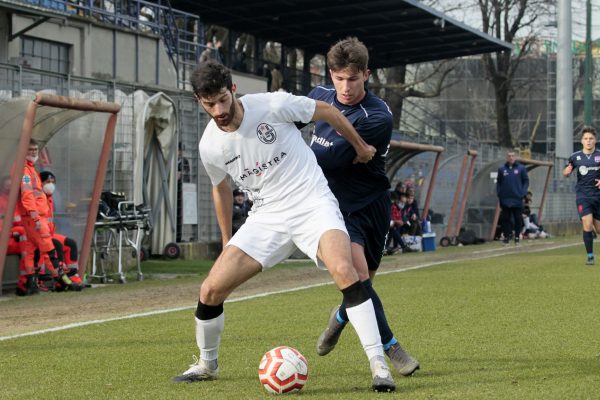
(21, 315)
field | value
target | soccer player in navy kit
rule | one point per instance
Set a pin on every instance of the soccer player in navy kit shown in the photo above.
(362, 190)
(587, 164)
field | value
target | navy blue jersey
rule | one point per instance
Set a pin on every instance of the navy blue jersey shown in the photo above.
(512, 183)
(354, 185)
(588, 171)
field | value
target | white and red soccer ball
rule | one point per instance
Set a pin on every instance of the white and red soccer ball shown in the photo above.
(283, 370)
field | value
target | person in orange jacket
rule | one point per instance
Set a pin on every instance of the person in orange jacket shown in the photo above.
(65, 246)
(33, 208)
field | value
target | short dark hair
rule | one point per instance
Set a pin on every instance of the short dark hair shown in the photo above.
(33, 142)
(588, 129)
(45, 175)
(209, 78)
(348, 53)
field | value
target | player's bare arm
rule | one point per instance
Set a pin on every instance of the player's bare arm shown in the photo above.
(333, 116)
(568, 169)
(223, 199)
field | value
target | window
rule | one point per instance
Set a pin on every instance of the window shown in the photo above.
(45, 55)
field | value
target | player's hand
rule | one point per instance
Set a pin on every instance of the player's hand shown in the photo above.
(365, 154)
(597, 183)
(569, 168)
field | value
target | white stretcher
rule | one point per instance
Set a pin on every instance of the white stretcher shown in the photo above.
(125, 229)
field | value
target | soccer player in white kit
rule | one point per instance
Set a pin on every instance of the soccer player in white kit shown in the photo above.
(254, 140)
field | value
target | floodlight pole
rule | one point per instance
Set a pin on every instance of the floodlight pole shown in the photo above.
(588, 80)
(564, 82)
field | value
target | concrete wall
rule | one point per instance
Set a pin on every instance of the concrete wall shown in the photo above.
(248, 84)
(138, 57)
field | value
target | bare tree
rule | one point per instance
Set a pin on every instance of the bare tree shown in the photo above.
(505, 19)
(391, 83)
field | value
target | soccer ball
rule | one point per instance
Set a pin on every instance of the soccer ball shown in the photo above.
(283, 370)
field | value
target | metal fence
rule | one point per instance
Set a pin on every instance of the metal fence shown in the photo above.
(559, 204)
(17, 81)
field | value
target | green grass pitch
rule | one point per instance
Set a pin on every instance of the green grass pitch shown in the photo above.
(522, 326)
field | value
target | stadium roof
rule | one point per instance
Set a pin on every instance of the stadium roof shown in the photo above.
(397, 32)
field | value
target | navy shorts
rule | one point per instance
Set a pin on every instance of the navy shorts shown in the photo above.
(588, 205)
(369, 227)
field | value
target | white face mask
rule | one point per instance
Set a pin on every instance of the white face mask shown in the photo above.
(48, 188)
(32, 158)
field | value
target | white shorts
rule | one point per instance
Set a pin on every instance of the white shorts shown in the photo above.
(271, 237)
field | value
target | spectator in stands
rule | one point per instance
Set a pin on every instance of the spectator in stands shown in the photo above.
(66, 247)
(266, 72)
(411, 216)
(276, 79)
(208, 53)
(400, 188)
(531, 228)
(394, 239)
(362, 190)
(34, 209)
(511, 186)
(220, 52)
(587, 196)
(241, 208)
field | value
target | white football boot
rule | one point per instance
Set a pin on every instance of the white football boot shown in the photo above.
(200, 370)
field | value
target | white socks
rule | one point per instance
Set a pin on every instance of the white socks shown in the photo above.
(362, 318)
(208, 336)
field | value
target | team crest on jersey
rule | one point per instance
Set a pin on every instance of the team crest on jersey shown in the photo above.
(26, 179)
(597, 158)
(266, 133)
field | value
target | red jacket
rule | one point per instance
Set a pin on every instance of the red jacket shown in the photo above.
(33, 201)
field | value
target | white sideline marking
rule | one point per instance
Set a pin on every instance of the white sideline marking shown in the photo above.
(256, 296)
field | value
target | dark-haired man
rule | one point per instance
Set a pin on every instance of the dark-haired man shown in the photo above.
(361, 189)
(253, 139)
(587, 163)
(512, 184)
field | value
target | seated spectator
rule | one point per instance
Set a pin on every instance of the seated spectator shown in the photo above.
(413, 219)
(241, 208)
(400, 188)
(394, 240)
(531, 228)
(66, 247)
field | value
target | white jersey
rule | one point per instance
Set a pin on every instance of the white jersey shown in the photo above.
(267, 156)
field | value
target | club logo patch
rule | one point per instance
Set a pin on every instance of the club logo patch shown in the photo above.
(266, 133)
(597, 158)
(26, 179)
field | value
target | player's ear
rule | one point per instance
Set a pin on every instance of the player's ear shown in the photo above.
(233, 88)
(366, 75)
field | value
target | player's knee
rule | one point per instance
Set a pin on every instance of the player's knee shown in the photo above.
(211, 292)
(344, 272)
